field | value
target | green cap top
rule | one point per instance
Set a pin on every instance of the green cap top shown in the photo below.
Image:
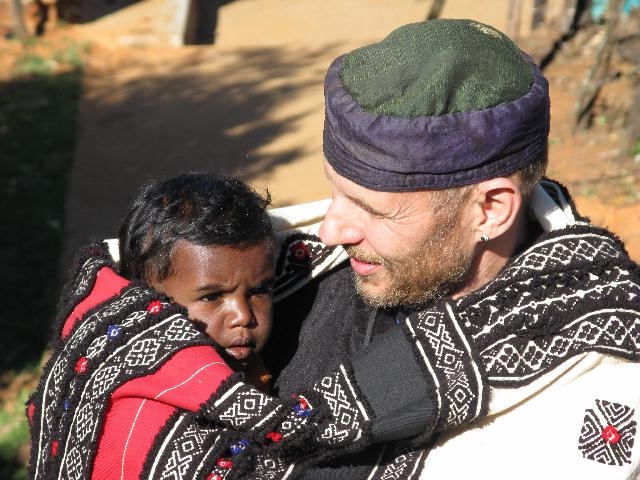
(437, 67)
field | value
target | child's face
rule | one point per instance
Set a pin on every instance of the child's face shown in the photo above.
(228, 289)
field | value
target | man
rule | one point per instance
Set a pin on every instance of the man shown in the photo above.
(513, 305)
(488, 323)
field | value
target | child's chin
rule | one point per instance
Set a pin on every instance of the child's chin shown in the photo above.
(238, 365)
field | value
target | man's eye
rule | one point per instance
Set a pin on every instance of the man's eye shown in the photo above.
(211, 297)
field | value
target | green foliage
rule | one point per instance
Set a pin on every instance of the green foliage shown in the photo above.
(37, 135)
(33, 64)
(70, 55)
(635, 150)
(14, 436)
(73, 54)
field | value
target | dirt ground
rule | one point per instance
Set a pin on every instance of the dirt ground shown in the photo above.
(252, 105)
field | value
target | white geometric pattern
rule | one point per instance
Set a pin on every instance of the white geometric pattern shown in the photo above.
(138, 355)
(184, 446)
(143, 353)
(178, 333)
(104, 380)
(617, 330)
(347, 413)
(73, 464)
(269, 468)
(248, 406)
(565, 295)
(451, 362)
(592, 441)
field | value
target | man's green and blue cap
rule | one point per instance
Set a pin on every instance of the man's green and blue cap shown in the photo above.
(437, 104)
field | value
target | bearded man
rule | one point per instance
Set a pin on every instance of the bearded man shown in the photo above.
(467, 270)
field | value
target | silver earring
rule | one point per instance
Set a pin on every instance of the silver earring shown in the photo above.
(484, 238)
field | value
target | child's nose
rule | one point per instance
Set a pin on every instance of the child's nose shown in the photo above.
(241, 314)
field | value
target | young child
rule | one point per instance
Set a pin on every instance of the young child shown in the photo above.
(128, 369)
(134, 388)
(207, 243)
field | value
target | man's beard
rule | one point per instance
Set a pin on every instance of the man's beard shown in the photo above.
(431, 271)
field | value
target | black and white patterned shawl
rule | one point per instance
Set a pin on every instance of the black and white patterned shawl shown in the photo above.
(574, 290)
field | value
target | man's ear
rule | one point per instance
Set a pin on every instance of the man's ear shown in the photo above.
(495, 206)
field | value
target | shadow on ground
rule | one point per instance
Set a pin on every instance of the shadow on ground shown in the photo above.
(184, 118)
(190, 120)
(37, 133)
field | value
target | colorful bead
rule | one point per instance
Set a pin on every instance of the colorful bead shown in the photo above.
(275, 437)
(237, 448)
(113, 331)
(31, 410)
(224, 463)
(154, 306)
(66, 404)
(303, 403)
(81, 365)
(610, 434)
(300, 252)
(214, 476)
(301, 412)
(54, 448)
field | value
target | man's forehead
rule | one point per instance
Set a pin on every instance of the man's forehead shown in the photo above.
(373, 199)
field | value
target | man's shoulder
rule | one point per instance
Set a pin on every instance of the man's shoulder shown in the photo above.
(323, 319)
(580, 419)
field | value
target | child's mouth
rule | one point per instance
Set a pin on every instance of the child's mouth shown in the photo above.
(239, 352)
(240, 348)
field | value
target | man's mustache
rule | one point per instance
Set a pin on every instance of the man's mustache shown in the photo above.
(362, 255)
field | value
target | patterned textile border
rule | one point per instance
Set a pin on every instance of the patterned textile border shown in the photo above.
(450, 361)
(301, 257)
(186, 450)
(567, 294)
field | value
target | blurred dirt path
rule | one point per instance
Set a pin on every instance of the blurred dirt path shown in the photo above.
(250, 105)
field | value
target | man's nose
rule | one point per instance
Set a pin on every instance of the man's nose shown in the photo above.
(340, 225)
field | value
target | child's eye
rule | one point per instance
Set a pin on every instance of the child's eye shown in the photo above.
(264, 289)
(211, 297)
